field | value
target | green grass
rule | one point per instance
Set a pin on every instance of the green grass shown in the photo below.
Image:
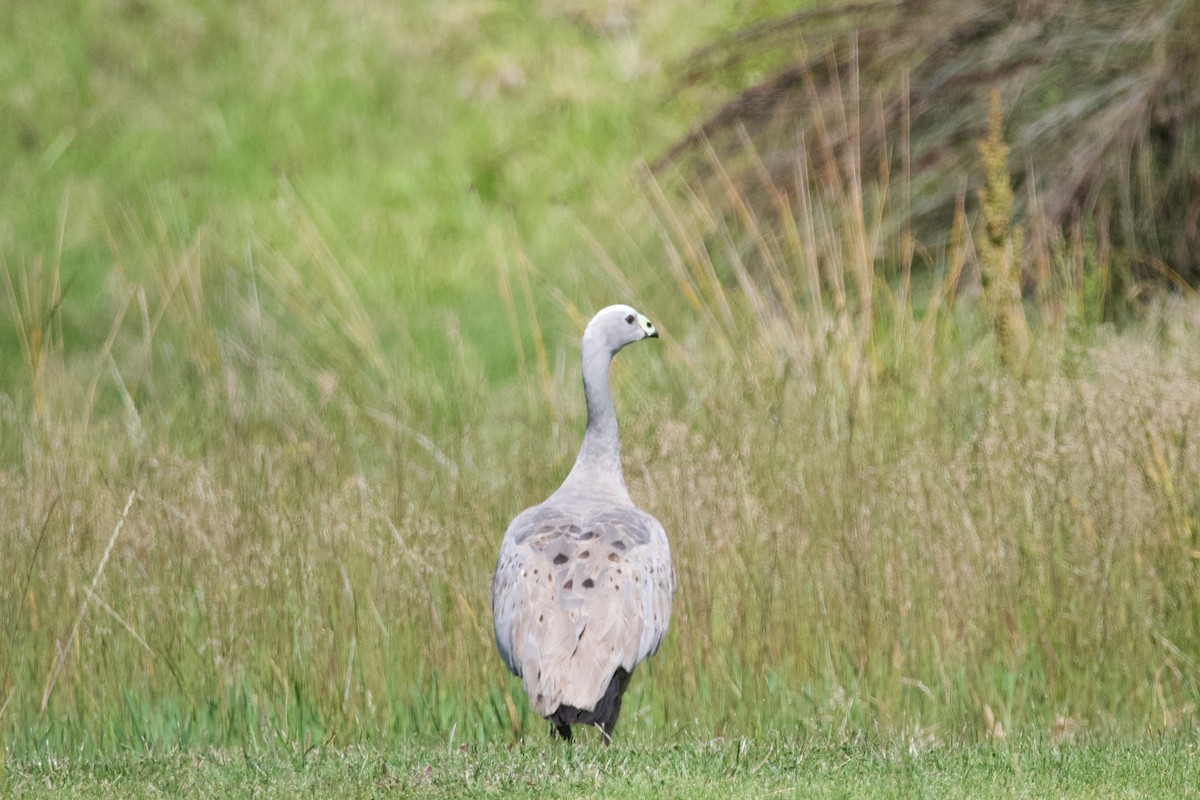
(306, 284)
(417, 146)
(718, 769)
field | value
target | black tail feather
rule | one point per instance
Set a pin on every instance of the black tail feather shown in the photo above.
(604, 715)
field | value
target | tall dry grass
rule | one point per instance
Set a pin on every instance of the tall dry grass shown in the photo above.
(879, 533)
(923, 544)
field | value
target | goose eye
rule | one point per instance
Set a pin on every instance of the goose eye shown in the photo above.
(630, 319)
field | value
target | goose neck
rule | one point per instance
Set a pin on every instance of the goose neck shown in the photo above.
(599, 462)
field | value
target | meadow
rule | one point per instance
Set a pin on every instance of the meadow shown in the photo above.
(292, 301)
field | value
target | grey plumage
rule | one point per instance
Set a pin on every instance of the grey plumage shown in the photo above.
(583, 585)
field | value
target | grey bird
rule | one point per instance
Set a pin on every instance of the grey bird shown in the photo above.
(583, 585)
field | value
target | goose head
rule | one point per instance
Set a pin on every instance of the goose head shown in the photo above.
(616, 326)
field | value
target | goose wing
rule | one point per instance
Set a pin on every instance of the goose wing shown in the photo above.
(577, 594)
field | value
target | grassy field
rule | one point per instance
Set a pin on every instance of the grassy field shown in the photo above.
(292, 302)
(719, 769)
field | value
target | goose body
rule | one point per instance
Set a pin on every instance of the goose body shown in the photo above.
(583, 584)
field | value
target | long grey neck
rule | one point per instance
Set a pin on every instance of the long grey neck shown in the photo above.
(597, 469)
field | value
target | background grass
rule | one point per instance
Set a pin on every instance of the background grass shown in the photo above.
(305, 282)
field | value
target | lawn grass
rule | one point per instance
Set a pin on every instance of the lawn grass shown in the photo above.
(717, 769)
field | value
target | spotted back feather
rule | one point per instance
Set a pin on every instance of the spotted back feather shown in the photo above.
(578, 593)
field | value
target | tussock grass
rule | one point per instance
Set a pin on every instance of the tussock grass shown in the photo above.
(1099, 106)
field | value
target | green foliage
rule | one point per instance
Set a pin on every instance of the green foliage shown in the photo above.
(412, 146)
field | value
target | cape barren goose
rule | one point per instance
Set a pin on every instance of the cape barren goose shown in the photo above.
(582, 591)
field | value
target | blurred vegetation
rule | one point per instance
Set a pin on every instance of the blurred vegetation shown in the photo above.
(293, 297)
(1101, 108)
(410, 148)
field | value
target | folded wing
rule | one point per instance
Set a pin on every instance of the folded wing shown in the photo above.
(578, 595)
